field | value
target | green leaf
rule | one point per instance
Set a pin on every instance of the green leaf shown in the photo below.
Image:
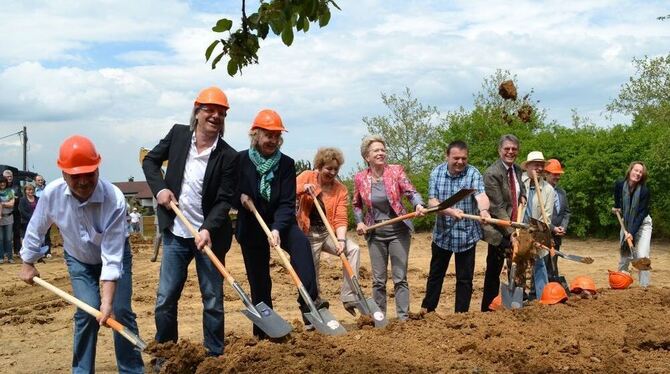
(287, 35)
(210, 49)
(324, 18)
(232, 67)
(216, 60)
(305, 24)
(222, 25)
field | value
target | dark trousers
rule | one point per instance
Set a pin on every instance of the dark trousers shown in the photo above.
(494, 263)
(465, 269)
(552, 267)
(256, 254)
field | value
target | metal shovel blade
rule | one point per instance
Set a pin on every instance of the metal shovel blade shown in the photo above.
(369, 307)
(268, 320)
(324, 322)
(512, 297)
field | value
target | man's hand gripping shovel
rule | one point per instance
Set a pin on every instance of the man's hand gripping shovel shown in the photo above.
(367, 307)
(261, 314)
(322, 320)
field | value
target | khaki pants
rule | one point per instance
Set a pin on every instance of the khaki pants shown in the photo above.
(321, 241)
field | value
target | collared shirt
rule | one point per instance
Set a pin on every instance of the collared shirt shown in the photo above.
(39, 190)
(450, 233)
(190, 197)
(93, 232)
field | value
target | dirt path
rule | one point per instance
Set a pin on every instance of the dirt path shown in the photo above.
(619, 331)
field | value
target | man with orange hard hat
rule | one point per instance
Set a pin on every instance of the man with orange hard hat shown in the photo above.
(91, 216)
(200, 178)
(561, 214)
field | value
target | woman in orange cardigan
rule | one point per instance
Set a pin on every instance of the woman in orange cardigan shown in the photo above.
(334, 199)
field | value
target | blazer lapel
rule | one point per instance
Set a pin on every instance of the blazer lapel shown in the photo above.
(213, 160)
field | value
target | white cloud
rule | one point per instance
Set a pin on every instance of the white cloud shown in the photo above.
(65, 68)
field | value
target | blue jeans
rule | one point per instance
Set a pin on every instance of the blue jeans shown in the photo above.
(85, 279)
(540, 276)
(177, 255)
(6, 242)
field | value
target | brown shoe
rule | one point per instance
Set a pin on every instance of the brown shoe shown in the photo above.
(350, 306)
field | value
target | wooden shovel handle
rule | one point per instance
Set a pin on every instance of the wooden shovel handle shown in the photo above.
(250, 205)
(540, 199)
(207, 250)
(111, 322)
(345, 262)
(623, 227)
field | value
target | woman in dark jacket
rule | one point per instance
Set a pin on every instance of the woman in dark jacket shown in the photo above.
(27, 204)
(632, 197)
(267, 178)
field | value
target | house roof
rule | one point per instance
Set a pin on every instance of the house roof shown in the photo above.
(139, 190)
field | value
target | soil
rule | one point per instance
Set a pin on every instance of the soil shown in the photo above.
(507, 90)
(614, 331)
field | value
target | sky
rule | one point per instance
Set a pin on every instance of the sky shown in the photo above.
(123, 72)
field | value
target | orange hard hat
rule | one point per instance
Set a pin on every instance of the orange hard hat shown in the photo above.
(553, 166)
(268, 119)
(77, 155)
(496, 304)
(553, 293)
(212, 95)
(619, 280)
(583, 283)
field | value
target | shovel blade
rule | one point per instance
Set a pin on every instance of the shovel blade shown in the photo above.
(512, 297)
(267, 320)
(378, 317)
(324, 322)
(643, 263)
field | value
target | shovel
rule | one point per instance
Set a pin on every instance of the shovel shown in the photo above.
(575, 258)
(111, 322)
(499, 222)
(450, 201)
(367, 307)
(322, 320)
(512, 296)
(261, 314)
(638, 263)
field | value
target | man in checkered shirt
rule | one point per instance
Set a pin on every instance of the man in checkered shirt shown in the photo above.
(451, 233)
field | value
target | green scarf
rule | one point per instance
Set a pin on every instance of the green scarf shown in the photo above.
(266, 168)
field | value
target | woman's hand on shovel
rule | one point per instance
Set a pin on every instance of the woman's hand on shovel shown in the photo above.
(28, 271)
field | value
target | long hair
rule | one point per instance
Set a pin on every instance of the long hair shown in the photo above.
(643, 179)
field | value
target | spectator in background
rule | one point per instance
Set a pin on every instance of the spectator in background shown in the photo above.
(6, 220)
(135, 220)
(40, 183)
(561, 216)
(27, 205)
(16, 235)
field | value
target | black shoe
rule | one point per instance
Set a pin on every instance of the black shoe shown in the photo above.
(320, 303)
(350, 306)
(307, 323)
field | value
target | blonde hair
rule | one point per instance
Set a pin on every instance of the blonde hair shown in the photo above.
(365, 145)
(325, 155)
(643, 178)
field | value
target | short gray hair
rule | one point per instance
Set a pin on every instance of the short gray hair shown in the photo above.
(7, 172)
(365, 144)
(508, 138)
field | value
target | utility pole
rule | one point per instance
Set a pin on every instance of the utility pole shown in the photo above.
(25, 148)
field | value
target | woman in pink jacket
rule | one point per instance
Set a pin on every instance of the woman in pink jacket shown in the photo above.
(378, 191)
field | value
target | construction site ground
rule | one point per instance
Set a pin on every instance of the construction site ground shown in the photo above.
(618, 331)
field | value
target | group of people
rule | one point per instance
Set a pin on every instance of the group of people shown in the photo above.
(206, 178)
(17, 205)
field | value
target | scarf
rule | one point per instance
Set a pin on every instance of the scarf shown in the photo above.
(630, 206)
(266, 167)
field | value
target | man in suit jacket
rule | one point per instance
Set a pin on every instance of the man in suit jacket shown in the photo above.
(200, 177)
(561, 216)
(504, 200)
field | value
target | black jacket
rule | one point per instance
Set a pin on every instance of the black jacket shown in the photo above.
(217, 189)
(642, 208)
(278, 213)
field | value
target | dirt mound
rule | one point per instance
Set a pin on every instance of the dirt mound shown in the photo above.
(616, 332)
(507, 90)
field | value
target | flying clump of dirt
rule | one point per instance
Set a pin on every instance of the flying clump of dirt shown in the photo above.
(507, 90)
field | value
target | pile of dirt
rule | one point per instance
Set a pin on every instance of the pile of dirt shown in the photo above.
(507, 90)
(619, 331)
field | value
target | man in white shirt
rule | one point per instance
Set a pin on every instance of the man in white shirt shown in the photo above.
(90, 214)
(135, 220)
(200, 179)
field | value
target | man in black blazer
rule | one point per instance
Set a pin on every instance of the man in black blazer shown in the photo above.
(561, 214)
(200, 178)
(498, 181)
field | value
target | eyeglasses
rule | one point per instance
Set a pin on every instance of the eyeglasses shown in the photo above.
(221, 111)
(510, 149)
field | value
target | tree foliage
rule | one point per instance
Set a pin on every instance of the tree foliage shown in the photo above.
(282, 17)
(407, 130)
(648, 90)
